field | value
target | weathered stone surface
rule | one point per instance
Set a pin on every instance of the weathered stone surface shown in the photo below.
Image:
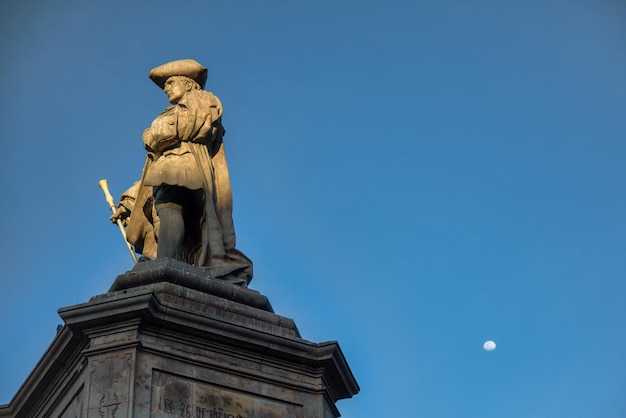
(172, 394)
(110, 379)
(163, 350)
(187, 275)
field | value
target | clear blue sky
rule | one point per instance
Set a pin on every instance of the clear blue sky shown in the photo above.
(410, 178)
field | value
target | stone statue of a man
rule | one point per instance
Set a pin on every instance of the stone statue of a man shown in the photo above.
(182, 206)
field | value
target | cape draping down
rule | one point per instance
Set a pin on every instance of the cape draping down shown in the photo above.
(196, 161)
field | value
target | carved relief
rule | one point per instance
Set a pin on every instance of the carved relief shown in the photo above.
(110, 386)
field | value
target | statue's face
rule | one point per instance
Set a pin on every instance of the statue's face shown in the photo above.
(175, 88)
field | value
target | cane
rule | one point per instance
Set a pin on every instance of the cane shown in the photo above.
(104, 185)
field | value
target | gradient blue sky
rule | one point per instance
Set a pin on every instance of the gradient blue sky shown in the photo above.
(410, 178)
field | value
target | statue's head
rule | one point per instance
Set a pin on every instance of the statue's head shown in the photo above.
(177, 86)
(177, 78)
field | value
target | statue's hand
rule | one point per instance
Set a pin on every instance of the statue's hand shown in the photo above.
(122, 213)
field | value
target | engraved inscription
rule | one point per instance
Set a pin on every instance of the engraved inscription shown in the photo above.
(173, 396)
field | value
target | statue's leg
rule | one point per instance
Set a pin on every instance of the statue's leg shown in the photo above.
(172, 223)
(171, 231)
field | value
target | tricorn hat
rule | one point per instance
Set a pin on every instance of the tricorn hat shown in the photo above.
(188, 68)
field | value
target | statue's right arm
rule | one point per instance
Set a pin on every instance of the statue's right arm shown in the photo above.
(125, 207)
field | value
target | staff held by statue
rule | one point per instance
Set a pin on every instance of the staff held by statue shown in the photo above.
(104, 185)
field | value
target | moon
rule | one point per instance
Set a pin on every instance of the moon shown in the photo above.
(489, 345)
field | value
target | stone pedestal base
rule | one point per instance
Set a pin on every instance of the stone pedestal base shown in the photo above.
(164, 350)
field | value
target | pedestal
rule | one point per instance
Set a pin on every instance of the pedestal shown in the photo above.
(167, 341)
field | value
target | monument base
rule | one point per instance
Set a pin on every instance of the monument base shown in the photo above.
(166, 350)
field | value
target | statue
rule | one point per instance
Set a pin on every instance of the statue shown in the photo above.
(181, 207)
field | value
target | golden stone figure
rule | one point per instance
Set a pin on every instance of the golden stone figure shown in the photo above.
(182, 206)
